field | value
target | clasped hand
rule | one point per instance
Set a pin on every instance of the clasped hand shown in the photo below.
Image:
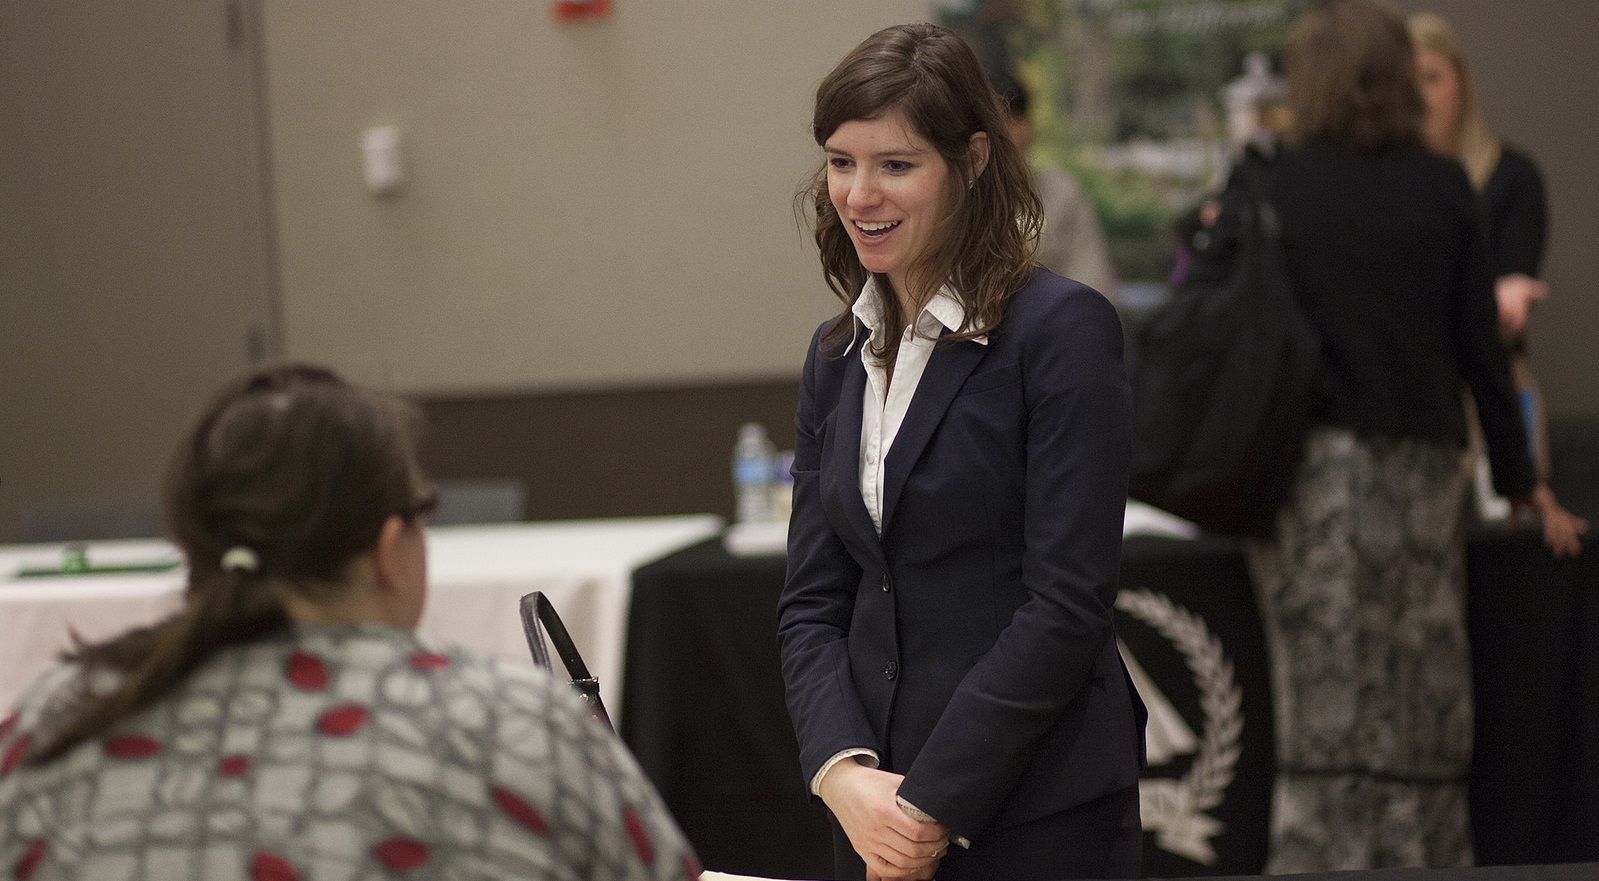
(895, 846)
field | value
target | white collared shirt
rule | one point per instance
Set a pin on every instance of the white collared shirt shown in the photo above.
(883, 411)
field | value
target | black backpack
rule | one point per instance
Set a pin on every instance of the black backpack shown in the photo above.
(1225, 381)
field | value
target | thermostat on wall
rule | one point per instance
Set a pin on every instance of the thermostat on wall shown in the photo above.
(380, 159)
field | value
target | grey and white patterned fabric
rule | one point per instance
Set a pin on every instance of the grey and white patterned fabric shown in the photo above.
(1362, 595)
(335, 754)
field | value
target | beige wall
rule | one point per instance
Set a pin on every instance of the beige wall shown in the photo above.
(594, 204)
(608, 204)
(590, 207)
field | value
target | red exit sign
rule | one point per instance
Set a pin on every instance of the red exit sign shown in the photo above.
(581, 10)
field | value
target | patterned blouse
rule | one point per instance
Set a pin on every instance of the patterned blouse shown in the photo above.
(335, 754)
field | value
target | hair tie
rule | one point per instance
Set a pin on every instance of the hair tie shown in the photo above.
(241, 559)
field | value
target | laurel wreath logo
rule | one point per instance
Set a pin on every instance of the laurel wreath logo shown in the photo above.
(1175, 810)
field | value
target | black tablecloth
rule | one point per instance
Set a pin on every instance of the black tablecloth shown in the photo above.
(1534, 625)
(705, 715)
(1567, 872)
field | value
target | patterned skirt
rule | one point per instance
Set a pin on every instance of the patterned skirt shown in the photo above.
(1362, 595)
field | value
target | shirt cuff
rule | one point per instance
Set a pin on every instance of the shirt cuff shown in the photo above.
(922, 816)
(866, 757)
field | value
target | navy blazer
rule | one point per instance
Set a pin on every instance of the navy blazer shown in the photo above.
(971, 645)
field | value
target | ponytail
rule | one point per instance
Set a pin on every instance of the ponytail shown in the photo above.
(284, 479)
(223, 609)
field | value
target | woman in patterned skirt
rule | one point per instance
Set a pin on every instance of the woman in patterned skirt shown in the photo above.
(1362, 588)
(286, 723)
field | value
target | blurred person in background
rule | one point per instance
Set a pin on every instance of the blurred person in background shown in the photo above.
(1510, 194)
(287, 723)
(960, 479)
(1071, 242)
(1361, 590)
(1257, 121)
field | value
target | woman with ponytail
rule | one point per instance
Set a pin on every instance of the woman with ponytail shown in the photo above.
(286, 723)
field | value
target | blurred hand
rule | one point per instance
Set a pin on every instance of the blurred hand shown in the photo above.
(894, 846)
(1516, 293)
(1562, 530)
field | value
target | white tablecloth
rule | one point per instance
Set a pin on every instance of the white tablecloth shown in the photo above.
(476, 576)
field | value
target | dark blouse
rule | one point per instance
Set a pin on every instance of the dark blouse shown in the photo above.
(1515, 215)
(1515, 220)
(1387, 259)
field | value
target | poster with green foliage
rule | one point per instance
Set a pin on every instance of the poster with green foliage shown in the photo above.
(1132, 98)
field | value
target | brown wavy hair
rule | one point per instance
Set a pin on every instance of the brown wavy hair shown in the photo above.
(984, 244)
(1352, 76)
(290, 462)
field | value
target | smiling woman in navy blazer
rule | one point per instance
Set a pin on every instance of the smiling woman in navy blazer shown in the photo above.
(960, 479)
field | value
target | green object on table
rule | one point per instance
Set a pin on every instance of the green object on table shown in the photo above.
(75, 562)
(75, 559)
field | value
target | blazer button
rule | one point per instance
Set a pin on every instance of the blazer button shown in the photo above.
(890, 670)
(886, 586)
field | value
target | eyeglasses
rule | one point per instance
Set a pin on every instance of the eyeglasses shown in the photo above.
(422, 508)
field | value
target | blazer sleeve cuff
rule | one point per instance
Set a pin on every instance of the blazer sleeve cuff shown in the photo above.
(922, 816)
(867, 757)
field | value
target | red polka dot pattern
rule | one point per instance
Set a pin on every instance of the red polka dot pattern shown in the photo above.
(14, 755)
(133, 746)
(401, 854)
(641, 839)
(519, 810)
(28, 863)
(366, 704)
(428, 661)
(342, 721)
(271, 867)
(307, 672)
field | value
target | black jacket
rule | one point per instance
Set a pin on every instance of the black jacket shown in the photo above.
(1515, 215)
(1388, 261)
(971, 645)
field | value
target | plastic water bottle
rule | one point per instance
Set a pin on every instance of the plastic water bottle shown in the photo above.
(752, 473)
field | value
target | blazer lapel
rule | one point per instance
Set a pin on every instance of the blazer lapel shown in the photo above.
(946, 371)
(842, 456)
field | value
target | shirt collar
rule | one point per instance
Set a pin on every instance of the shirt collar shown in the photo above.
(943, 310)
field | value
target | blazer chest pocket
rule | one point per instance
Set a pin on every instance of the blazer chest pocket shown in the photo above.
(989, 380)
